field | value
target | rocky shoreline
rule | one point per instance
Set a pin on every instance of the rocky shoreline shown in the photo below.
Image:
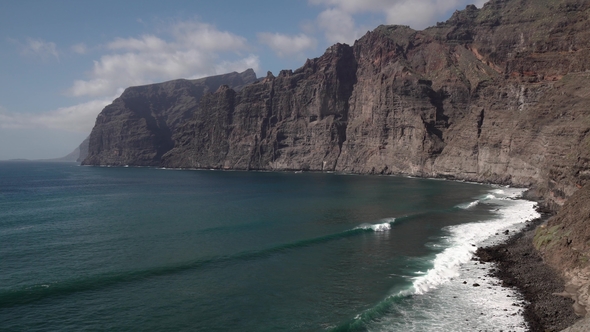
(520, 266)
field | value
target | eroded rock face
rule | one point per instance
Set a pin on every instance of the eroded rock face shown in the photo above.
(295, 121)
(137, 128)
(487, 96)
(498, 94)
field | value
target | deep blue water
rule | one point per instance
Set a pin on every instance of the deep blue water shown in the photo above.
(129, 249)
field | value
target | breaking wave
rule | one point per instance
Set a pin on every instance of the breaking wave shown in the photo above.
(460, 244)
(32, 293)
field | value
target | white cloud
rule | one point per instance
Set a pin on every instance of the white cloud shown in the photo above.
(79, 48)
(240, 65)
(420, 14)
(192, 49)
(203, 36)
(40, 48)
(355, 6)
(339, 24)
(146, 43)
(78, 118)
(285, 45)
(479, 3)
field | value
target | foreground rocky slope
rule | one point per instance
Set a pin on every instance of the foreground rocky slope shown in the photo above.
(565, 244)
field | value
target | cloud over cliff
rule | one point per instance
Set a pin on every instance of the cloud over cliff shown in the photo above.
(186, 49)
(77, 118)
(339, 19)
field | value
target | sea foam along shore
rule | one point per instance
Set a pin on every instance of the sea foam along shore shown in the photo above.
(520, 266)
(457, 293)
(462, 241)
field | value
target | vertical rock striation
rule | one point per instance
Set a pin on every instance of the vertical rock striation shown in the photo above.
(137, 128)
(295, 121)
(497, 94)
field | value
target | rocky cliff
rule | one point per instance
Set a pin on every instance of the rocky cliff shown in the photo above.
(294, 121)
(565, 244)
(497, 94)
(137, 128)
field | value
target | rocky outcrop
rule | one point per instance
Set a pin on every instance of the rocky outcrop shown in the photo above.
(137, 128)
(78, 155)
(565, 244)
(83, 149)
(582, 325)
(294, 121)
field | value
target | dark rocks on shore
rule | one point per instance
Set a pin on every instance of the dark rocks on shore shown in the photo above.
(520, 266)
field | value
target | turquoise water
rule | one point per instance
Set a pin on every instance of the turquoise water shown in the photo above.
(148, 249)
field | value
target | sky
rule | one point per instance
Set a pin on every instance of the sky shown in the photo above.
(63, 61)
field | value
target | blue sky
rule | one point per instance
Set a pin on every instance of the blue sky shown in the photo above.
(62, 61)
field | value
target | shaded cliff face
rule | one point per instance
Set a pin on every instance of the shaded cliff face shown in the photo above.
(137, 128)
(497, 94)
(294, 121)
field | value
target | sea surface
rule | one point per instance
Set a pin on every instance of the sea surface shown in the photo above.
(146, 249)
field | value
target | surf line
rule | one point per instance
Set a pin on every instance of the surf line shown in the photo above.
(459, 246)
(32, 293)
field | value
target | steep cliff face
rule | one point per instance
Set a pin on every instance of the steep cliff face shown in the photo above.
(490, 95)
(137, 128)
(535, 114)
(294, 121)
(497, 94)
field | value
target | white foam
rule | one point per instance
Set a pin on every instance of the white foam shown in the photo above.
(462, 240)
(382, 227)
(447, 298)
(509, 193)
(467, 206)
(488, 197)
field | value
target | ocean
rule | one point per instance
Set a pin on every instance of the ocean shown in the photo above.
(147, 249)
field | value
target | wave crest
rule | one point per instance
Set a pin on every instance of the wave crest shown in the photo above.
(383, 227)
